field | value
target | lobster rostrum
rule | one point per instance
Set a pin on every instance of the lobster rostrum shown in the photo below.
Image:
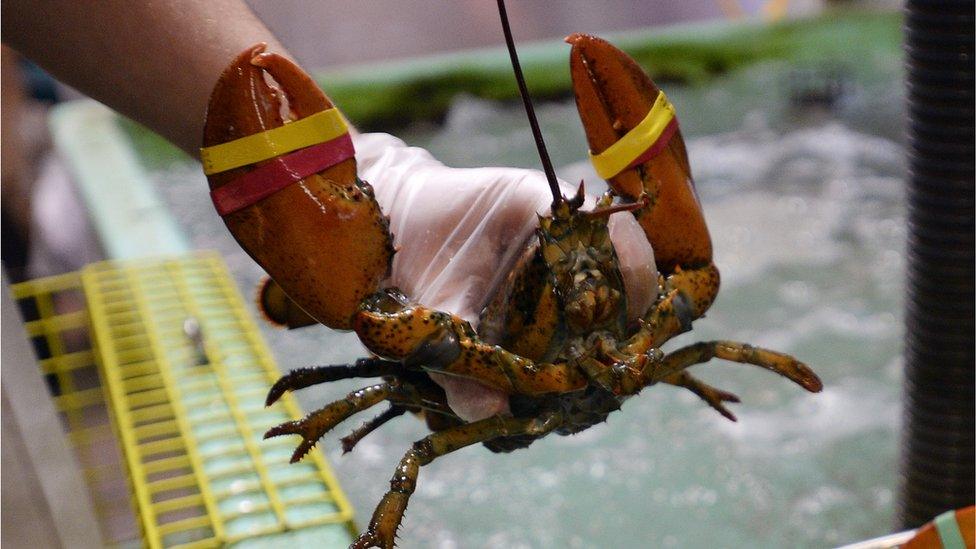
(554, 337)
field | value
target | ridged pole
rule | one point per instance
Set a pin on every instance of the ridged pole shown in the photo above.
(938, 437)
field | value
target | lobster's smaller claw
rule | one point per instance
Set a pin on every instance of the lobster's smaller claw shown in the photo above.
(615, 97)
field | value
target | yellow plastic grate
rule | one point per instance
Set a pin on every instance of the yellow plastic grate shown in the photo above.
(188, 411)
(57, 324)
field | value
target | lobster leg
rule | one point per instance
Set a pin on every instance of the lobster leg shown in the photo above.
(687, 295)
(352, 439)
(415, 339)
(440, 342)
(388, 514)
(306, 377)
(316, 424)
(711, 395)
(702, 352)
(623, 374)
(313, 426)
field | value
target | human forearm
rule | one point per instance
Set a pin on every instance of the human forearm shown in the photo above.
(155, 62)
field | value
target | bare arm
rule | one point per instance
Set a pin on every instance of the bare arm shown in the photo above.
(155, 62)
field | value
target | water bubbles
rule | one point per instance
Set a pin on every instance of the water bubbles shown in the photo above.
(816, 503)
(883, 497)
(435, 487)
(598, 469)
(369, 451)
(445, 540)
(894, 368)
(479, 495)
(799, 293)
(795, 205)
(846, 408)
(545, 478)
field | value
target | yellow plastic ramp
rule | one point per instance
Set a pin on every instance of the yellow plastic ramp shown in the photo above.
(184, 372)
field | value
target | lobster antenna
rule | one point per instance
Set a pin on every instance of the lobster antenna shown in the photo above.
(527, 101)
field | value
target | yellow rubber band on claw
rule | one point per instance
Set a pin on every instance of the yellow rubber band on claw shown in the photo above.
(617, 157)
(318, 128)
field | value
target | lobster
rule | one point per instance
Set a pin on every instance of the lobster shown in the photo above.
(554, 337)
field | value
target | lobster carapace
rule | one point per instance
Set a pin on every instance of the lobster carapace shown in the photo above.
(554, 338)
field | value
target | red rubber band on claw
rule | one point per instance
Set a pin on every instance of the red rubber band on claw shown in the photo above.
(280, 172)
(658, 146)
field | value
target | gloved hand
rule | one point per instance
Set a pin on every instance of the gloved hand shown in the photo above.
(458, 233)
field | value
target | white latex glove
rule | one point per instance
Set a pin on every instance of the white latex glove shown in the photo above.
(458, 233)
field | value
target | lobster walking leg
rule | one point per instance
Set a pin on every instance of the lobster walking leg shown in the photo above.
(313, 426)
(388, 514)
(352, 439)
(627, 376)
(402, 394)
(432, 340)
(713, 396)
(313, 375)
(623, 375)
(734, 351)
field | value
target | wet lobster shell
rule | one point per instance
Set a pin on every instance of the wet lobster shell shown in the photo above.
(323, 239)
(613, 95)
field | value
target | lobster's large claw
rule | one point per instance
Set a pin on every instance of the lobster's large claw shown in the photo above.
(614, 95)
(323, 239)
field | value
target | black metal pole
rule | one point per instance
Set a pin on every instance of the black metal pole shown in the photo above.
(938, 437)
